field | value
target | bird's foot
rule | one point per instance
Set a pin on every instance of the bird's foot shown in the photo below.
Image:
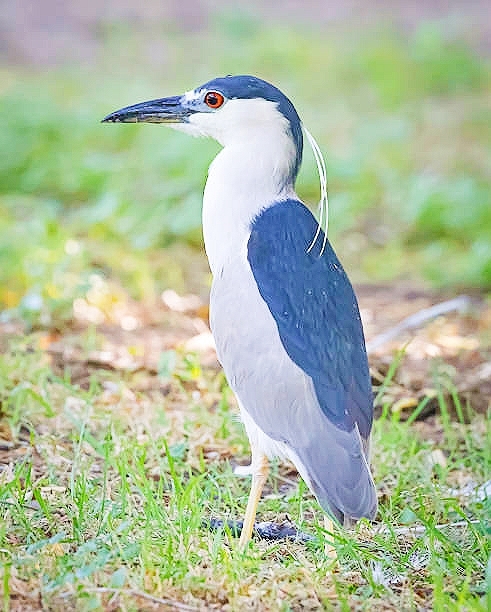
(265, 530)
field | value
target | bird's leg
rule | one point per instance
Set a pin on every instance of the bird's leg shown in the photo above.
(329, 549)
(260, 469)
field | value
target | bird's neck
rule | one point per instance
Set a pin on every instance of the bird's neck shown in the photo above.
(245, 178)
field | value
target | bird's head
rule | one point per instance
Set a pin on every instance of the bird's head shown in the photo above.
(232, 110)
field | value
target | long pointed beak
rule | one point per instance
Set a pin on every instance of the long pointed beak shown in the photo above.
(163, 110)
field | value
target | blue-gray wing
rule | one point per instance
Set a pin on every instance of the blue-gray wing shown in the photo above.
(315, 309)
(320, 416)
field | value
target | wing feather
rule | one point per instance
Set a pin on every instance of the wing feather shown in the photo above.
(315, 309)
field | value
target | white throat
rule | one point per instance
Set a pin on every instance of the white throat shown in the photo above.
(249, 174)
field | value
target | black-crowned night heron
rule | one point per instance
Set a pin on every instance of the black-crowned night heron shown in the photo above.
(282, 311)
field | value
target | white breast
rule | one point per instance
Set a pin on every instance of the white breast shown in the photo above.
(248, 175)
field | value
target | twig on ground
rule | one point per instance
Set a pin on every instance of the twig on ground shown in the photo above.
(460, 303)
(420, 529)
(176, 605)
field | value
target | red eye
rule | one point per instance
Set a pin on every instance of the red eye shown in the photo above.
(214, 99)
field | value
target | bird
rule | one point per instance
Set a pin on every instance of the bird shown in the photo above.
(283, 313)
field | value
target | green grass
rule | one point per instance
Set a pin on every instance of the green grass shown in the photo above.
(107, 497)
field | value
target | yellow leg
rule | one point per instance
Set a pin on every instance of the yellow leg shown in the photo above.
(260, 467)
(329, 549)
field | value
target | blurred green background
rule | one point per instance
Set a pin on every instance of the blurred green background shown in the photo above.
(398, 98)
